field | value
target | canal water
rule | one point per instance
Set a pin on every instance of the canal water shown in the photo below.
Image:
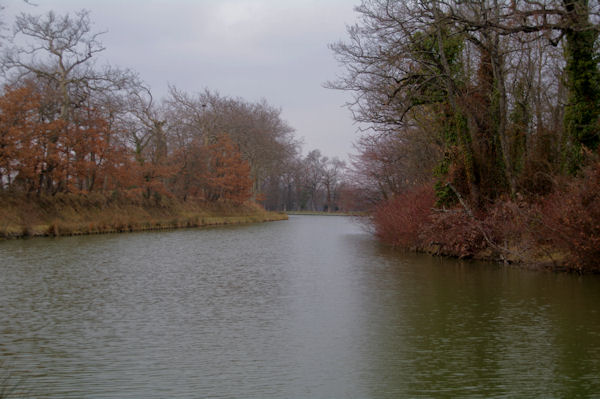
(311, 307)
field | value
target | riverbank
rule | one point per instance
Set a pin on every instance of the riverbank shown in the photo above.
(559, 231)
(539, 260)
(70, 214)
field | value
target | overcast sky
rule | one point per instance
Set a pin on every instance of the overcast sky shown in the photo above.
(271, 49)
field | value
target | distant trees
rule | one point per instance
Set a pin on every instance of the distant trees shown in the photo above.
(282, 179)
(265, 140)
(312, 183)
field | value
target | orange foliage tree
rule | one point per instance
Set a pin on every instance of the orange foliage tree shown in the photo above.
(42, 153)
(228, 175)
(191, 164)
(89, 151)
(17, 116)
(28, 144)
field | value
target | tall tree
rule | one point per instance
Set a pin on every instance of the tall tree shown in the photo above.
(582, 112)
(57, 52)
(452, 59)
(265, 140)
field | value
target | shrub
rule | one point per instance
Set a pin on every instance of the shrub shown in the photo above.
(502, 231)
(456, 233)
(399, 221)
(571, 220)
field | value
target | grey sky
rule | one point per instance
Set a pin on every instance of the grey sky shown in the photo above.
(272, 49)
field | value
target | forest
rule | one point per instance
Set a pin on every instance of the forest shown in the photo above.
(482, 128)
(73, 131)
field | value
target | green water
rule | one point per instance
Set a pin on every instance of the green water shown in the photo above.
(312, 307)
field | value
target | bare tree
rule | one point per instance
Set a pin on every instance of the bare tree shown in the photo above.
(58, 49)
(465, 63)
(264, 138)
(333, 174)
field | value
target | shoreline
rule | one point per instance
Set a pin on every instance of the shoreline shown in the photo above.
(531, 264)
(53, 230)
(31, 219)
(69, 215)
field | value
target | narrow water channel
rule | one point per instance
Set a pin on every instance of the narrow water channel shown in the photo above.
(312, 307)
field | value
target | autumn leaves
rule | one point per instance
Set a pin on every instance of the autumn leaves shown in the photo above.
(43, 154)
(67, 125)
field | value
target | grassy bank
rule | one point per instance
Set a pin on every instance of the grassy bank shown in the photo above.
(69, 214)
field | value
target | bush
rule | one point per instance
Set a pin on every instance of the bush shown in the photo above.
(571, 220)
(456, 234)
(399, 221)
(500, 232)
(410, 221)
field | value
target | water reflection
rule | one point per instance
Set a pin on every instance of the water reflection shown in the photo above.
(312, 307)
(462, 329)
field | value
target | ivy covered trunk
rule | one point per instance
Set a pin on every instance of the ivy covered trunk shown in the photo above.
(583, 83)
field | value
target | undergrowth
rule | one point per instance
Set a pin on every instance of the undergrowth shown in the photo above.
(559, 230)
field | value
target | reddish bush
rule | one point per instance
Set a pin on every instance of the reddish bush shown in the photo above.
(410, 221)
(455, 233)
(399, 221)
(571, 220)
(565, 226)
(502, 231)
(513, 226)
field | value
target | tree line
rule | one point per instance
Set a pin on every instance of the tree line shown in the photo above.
(483, 101)
(493, 94)
(68, 125)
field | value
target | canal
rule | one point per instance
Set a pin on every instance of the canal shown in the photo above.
(312, 307)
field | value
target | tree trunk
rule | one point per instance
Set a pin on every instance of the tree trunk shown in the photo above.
(583, 85)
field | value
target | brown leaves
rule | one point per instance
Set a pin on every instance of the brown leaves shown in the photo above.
(39, 155)
(401, 220)
(227, 176)
(571, 220)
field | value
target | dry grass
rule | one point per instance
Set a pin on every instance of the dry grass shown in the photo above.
(70, 214)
